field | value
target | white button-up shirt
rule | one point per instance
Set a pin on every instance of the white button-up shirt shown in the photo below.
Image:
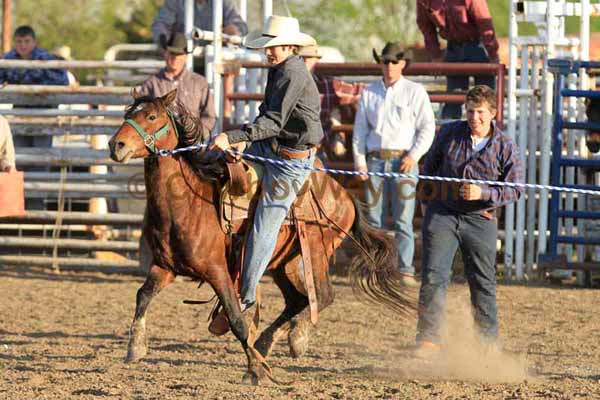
(399, 117)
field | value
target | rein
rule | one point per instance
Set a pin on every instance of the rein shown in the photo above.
(150, 139)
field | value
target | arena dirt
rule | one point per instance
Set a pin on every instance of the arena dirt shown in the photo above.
(64, 337)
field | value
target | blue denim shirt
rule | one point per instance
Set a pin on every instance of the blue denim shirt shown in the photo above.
(20, 76)
(452, 155)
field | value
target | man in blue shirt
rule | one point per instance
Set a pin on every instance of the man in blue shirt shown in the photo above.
(465, 217)
(26, 49)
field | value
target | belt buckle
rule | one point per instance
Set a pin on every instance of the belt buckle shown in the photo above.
(386, 154)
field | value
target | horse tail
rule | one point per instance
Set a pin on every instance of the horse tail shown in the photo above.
(374, 270)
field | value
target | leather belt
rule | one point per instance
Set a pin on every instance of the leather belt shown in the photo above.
(386, 154)
(289, 154)
(488, 214)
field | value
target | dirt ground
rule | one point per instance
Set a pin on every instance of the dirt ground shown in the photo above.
(65, 336)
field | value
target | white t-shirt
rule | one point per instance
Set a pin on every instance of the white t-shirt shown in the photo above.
(479, 142)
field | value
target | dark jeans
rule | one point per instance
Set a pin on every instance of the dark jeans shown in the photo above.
(443, 232)
(458, 53)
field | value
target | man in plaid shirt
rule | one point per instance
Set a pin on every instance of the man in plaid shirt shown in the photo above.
(334, 94)
(465, 217)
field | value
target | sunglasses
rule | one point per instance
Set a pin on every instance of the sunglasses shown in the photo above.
(386, 62)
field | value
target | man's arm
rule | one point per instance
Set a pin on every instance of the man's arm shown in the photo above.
(162, 26)
(359, 134)
(287, 92)
(429, 31)
(233, 24)
(435, 155)
(424, 125)
(512, 171)
(480, 14)
(48, 76)
(207, 112)
(54, 77)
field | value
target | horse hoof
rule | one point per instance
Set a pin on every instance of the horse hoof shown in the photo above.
(250, 378)
(298, 341)
(298, 345)
(263, 347)
(135, 353)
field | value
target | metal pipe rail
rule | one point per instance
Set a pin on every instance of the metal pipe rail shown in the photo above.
(76, 264)
(209, 36)
(84, 177)
(67, 157)
(54, 95)
(413, 69)
(72, 217)
(67, 244)
(58, 126)
(81, 64)
(84, 190)
(53, 112)
(433, 97)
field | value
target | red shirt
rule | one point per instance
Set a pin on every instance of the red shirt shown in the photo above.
(457, 21)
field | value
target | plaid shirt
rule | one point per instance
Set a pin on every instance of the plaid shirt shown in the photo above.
(333, 93)
(20, 76)
(452, 155)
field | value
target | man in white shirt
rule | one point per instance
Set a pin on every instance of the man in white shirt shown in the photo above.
(393, 128)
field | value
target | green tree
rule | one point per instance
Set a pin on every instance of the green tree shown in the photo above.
(137, 28)
(84, 25)
(356, 26)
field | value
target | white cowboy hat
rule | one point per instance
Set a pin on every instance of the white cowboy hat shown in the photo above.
(281, 31)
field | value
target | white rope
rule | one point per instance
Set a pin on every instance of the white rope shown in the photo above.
(164, 153)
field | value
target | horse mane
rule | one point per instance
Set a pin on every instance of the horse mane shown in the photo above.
(207, 164)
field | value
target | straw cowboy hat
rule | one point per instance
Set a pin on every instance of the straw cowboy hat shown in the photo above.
(310, 51)
(281, 31)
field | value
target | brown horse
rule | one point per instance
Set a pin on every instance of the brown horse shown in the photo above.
(183, 229)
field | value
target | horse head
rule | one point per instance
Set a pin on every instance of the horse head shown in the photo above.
(149, 126)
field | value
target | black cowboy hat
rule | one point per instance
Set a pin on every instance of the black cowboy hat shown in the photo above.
(178, 44)
(392, 51)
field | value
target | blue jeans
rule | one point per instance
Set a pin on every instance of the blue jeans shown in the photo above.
(464, 52)
(280, 184)
(397, 195)
(443, 232)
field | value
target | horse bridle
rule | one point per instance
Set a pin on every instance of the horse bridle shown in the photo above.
(150, 139)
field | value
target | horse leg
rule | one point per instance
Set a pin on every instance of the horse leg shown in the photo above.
(157, 279)
(243, 330)
(295, 302)
(300, 324)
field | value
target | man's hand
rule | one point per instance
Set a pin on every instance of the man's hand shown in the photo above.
(231, 30)
(362, 177)
(239, 148)
(494, 60)
(219, 142)
(470, 192)
(406, 164)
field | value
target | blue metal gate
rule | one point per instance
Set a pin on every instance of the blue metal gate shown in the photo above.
(561, 69)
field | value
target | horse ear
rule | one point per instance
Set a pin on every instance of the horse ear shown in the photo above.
(169, 97)
(135, 93)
